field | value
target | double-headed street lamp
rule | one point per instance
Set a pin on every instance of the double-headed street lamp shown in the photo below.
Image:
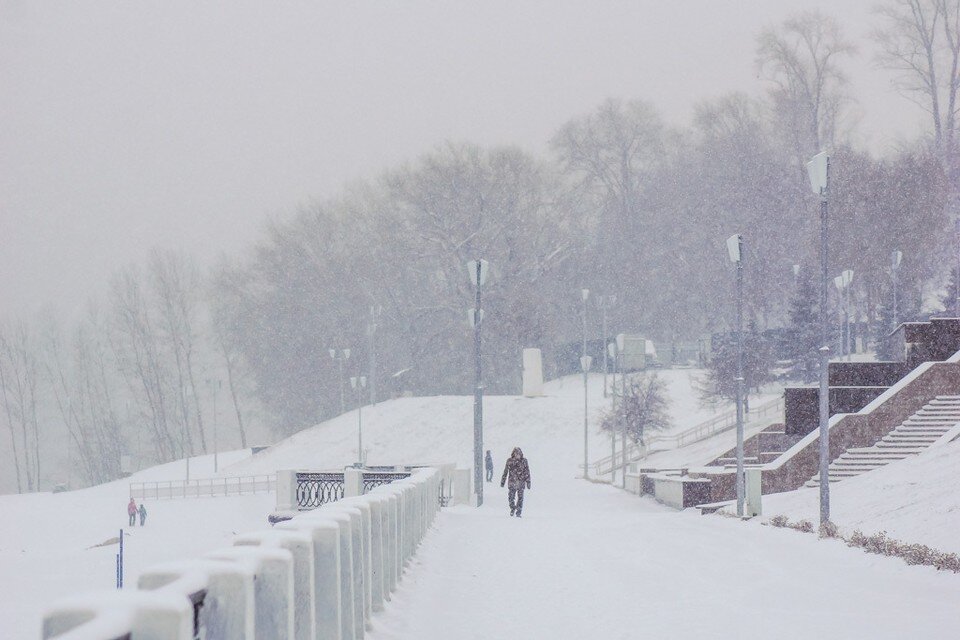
(818, 169)
(478, 270)
(358, 383)
(341, 355)
(735, 250)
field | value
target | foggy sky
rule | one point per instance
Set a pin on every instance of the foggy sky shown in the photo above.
(127, 125)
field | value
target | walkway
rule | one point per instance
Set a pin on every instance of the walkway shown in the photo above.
(589, 561)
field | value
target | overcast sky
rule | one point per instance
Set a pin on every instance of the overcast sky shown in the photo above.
(128, 125)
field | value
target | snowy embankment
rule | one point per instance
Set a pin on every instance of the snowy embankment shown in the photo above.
(585, 560)
(914, 500)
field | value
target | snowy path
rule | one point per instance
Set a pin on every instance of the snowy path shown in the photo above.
(589, 561)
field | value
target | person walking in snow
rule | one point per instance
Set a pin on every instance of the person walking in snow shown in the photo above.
(488, 463)
(143, 514)
(132, 512)
(518, 472)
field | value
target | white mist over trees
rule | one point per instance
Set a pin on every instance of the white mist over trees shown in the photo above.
(621, 203)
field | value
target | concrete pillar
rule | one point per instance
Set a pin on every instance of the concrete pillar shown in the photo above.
(754, 492)
(287, 490)
(227, 610)
(325, 535)
(352, 482)
(532, 373)
(358, 549)
(300, 546)
(461, 486)
(344, 522)
(272, 588)
(112, 614)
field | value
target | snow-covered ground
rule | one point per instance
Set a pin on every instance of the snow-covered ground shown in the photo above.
(914, 500)
(586, 560)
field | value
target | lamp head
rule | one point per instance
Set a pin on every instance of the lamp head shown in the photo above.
(818, 170)
(734, 248)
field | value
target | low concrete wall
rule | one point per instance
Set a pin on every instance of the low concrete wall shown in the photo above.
(865, 427)
(320, 574)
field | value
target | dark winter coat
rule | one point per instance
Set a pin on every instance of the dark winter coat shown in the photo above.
(517, 470)
(489, 461)
(143, 511)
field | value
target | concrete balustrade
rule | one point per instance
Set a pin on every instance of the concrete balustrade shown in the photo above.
(300, 546)
(327, 605)
(224, 589)
(318, 576)
(272, 589)
(117, 614)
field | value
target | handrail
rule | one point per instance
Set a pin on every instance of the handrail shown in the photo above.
(706, 429)
(207, 487)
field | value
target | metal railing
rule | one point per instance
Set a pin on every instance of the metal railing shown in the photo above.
(373, 479)
(203, 487)
(315, 489)
(702, 431)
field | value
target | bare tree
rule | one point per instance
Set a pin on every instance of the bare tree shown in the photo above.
(802, 60)
(138, 353)
(921, 44)
(176, 284)
(18, 349)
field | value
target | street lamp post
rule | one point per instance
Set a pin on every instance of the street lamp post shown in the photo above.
(341, 356)
(818, 169)
(842, 283)
(358, 383)
(956, 280)
(375, 312)
(585, 362)
(735, 250)
(215, 385)
(895, 258)
(478, 270)
(604, 303)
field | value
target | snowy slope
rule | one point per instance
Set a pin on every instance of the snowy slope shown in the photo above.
(586, 560)
(914, 500)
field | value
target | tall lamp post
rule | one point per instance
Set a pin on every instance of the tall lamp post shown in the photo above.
(842, 283)
(358, 383)
(585, 362)
(735, 250)
(818, 170)
(895, 259)
(341, 355)
(375, 313)
(215, 386)
(604, 303)
(478, 270)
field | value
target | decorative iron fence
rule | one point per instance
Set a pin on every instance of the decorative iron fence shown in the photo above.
(373, 479)
(315, 489)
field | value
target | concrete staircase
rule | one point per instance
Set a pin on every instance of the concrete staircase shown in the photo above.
(914, 435)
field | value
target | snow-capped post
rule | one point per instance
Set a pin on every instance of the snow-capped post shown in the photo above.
(478, 270)
(735, 249)
(818, 169)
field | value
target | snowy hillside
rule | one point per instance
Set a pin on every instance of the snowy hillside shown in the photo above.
(592, 546)
(914, 500)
